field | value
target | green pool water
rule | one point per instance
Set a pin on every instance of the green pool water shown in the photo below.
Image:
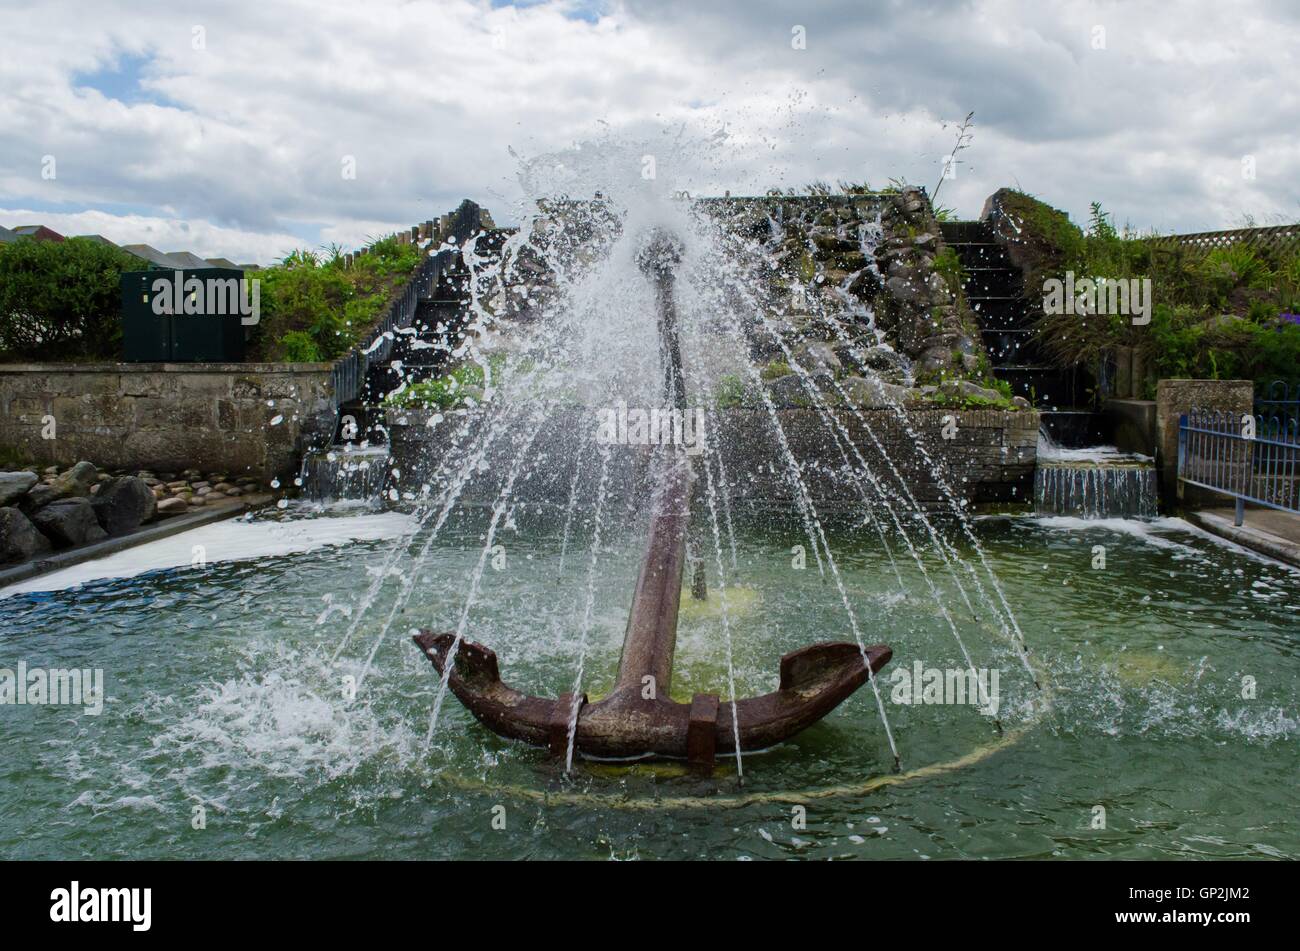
(222, 697)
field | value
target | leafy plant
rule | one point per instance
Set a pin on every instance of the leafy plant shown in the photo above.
(729, 391)
(297, 346)
(316, 295)
(61, 300)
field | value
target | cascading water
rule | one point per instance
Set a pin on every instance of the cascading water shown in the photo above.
(1095, 482)
(345, 473)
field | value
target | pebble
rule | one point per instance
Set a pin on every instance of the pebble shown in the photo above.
(172, 506)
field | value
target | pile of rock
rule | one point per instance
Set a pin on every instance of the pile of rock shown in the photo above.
(923, 310)
(179, 492)
(53, 508)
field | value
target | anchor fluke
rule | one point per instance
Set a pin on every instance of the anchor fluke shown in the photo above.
(625, 725)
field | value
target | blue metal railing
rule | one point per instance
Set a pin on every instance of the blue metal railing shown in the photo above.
(349, 373)
(1278, 400)
(1250, 458)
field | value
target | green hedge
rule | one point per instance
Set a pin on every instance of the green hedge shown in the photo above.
(61, 300)
(314, 308)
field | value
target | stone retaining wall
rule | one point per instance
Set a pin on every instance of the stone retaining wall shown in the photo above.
(989, 459)
(243, 418)
(1173, 399)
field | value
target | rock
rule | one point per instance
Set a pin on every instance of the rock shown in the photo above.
(202, 484)
(1021, 403)
(124, 504)
(818, 359)
(69, 522)
(212, 495)
(223, 487)
(874, 393)
(965, 389)
(789, 392)
(905, 290)
(866, 285)
(14, 485)
(74, 483)
(881, 358)
(197, 501)
(173, 506)
(19, 539)
(178, 484)
(234, 492)
(203, 490)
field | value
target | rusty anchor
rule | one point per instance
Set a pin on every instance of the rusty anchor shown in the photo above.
(638, 719)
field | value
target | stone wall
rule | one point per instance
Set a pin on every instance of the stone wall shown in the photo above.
(242, 419)
(1175, 397)
(989, 459)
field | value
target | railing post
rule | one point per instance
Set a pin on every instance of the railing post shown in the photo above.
(1182, 454)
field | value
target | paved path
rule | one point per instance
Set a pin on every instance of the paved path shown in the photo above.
(1267, 531)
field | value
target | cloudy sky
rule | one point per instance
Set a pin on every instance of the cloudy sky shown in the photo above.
(250, 127)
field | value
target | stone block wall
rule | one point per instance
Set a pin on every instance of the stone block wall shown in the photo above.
(1175, 397)
(244, 418)
(989, 459)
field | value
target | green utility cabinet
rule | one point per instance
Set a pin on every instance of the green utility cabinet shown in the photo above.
(210, 336)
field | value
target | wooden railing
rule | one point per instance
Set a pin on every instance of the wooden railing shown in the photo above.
(1278, 238)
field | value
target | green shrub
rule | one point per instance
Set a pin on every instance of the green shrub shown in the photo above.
(61, 300)
(450, 390)
(297, 346)
(729, 392)
(332, 305)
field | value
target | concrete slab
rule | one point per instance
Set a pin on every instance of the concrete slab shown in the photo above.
(1267, 531)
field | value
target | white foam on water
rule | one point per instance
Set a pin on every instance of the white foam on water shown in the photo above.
(231, 540)
(1155, 532)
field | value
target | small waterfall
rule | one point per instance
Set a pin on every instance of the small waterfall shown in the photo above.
(342, 474)
(1096, 482)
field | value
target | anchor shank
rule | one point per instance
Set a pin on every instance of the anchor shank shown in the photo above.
(651, 635)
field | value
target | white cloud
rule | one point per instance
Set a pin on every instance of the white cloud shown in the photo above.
(244, 139)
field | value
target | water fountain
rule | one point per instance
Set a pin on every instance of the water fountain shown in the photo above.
(638, 718)
(561, 322)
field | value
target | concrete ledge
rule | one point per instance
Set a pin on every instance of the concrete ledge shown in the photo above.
(1275, 534)
(165, 367)
(142, 536)
(1134, 425)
